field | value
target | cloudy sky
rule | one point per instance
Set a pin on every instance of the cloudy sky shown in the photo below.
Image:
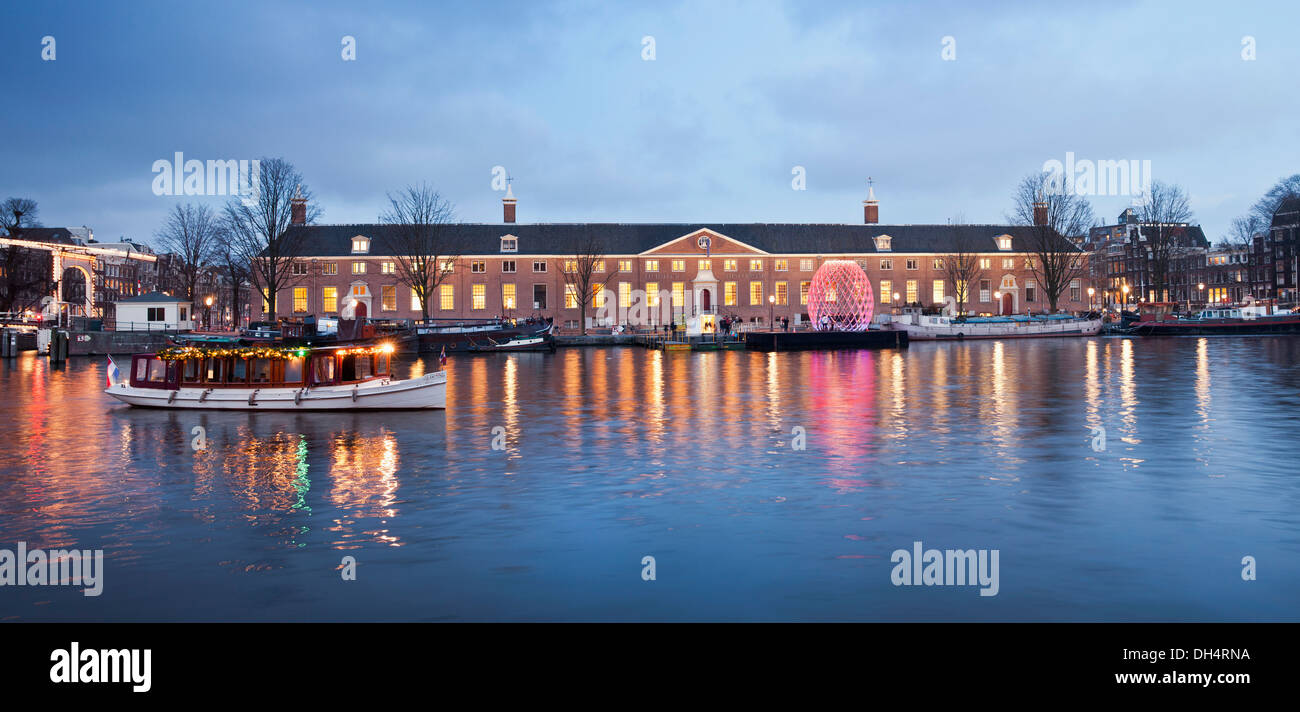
(562, 96)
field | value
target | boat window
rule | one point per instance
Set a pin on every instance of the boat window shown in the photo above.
(363, 367)
(240, 372)
(215, 370)
(261, 370)
(381, 364)
(142, 369)
(324, 369)
(293, 370)
(349, 371)
(157, 371)
(192, 370)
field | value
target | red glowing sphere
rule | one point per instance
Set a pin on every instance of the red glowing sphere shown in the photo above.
(840, 297)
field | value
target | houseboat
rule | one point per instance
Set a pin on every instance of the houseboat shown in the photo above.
(932, 327)
(1251, 319)
(238, 376)
(437, 335)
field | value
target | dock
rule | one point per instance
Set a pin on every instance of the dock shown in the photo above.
(817, 340)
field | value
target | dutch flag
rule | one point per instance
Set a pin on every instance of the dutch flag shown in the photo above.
(114, 376)
(442, 358)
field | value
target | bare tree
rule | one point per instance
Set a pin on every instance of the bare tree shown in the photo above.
(586, 272)
(422, 239)
(961, 266)
(1264, 208)
(234, 272)
(1243, 232)
(190, 234)
(1163, 214)
(24, 273)
(260, 228)
(1055, 258)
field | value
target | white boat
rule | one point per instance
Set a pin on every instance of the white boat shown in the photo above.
(341, 377)
(928, 327)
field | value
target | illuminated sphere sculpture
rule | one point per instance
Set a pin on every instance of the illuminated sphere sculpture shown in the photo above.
(841, 292)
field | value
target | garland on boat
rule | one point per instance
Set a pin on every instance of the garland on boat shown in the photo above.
(182, 353)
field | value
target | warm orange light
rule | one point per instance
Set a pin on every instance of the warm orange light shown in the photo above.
(386, 348)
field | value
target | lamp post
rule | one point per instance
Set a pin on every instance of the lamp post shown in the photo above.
(1200, 293)
(1091, 292)
(997, 299)
(1124, 304)
(895, 303)
(771, 311)
(207, 313)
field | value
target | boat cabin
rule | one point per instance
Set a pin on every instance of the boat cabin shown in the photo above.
(260, 367)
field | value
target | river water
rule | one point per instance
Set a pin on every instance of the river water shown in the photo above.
(764, 486)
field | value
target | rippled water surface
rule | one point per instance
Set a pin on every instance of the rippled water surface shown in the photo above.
(612, 455)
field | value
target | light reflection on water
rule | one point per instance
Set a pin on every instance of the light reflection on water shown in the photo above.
(613, 454)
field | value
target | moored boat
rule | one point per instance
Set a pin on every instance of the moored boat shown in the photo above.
(932, 327)
(545, 342)
(437, 335)
(344, 376)
(1249, 320)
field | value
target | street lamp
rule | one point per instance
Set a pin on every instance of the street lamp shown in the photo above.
(771, 310)
(1124, 289)
(207, 313)
(997, 299)
(895, 303)
(1091, 292)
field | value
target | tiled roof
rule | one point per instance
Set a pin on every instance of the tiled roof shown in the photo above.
(1287, 213)
(152, 298)
(635, 238)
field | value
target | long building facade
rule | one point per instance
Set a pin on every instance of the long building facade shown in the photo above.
(753, 273)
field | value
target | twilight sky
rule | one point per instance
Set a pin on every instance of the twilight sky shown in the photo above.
(559, 94)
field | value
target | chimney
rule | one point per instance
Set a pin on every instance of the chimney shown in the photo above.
(870, 209)
(298, 208)
(508, 203)
(1040, 211)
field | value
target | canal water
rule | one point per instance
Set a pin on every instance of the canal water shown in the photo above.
(764, 486)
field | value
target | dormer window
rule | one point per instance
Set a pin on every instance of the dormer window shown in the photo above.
(1004, 242)
(882, 242)
(509, 243)
(360, 245)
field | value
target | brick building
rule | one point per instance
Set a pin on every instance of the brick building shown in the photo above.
(753, 271)
(1120, 256)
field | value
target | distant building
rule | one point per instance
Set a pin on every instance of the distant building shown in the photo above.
(1120, 255)
(153, 311)
(749, 271)
(1284, 249)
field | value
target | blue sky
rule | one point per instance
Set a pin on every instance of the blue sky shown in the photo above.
(558, 93)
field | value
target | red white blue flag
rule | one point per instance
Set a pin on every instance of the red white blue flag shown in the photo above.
(442, 358)
(114, 376)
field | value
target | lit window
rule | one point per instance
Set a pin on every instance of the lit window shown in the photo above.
(300, 299)
(447, 297)
(652, 294)
(625, 265)
(679, 294)
(803, 292)
(388, 297)
(330, 297)
(571, 266)
(598, 295)
(358, 268)
(478, 297)
(781, 293)
(912, 288)
(937, 294)
(729, 265)
(805, 265)
(782, 265)
(704, 264)
(415, 302)
(679, 265)
(986, 263)
(599, 266)
(729, 294)
(448, 266)
(624, 295)
(508, 296)
(1004, 242)
(938, 263)
(388, 268)
(755, 293)
(478, 266)
(1008, 263)
(886, 291)
(570, 296)
(652, 265)
(756, 265)
(360, 245)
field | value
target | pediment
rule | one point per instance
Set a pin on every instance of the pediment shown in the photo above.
(689, 244)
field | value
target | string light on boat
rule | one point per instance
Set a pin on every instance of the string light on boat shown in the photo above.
(182, 353)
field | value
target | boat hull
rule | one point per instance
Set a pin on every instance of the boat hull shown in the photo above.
(423, 393)
(464, 338)
(1243, 327)
(1011, 330)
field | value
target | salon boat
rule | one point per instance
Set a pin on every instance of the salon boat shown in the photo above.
(222, 376)
(922, 327)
